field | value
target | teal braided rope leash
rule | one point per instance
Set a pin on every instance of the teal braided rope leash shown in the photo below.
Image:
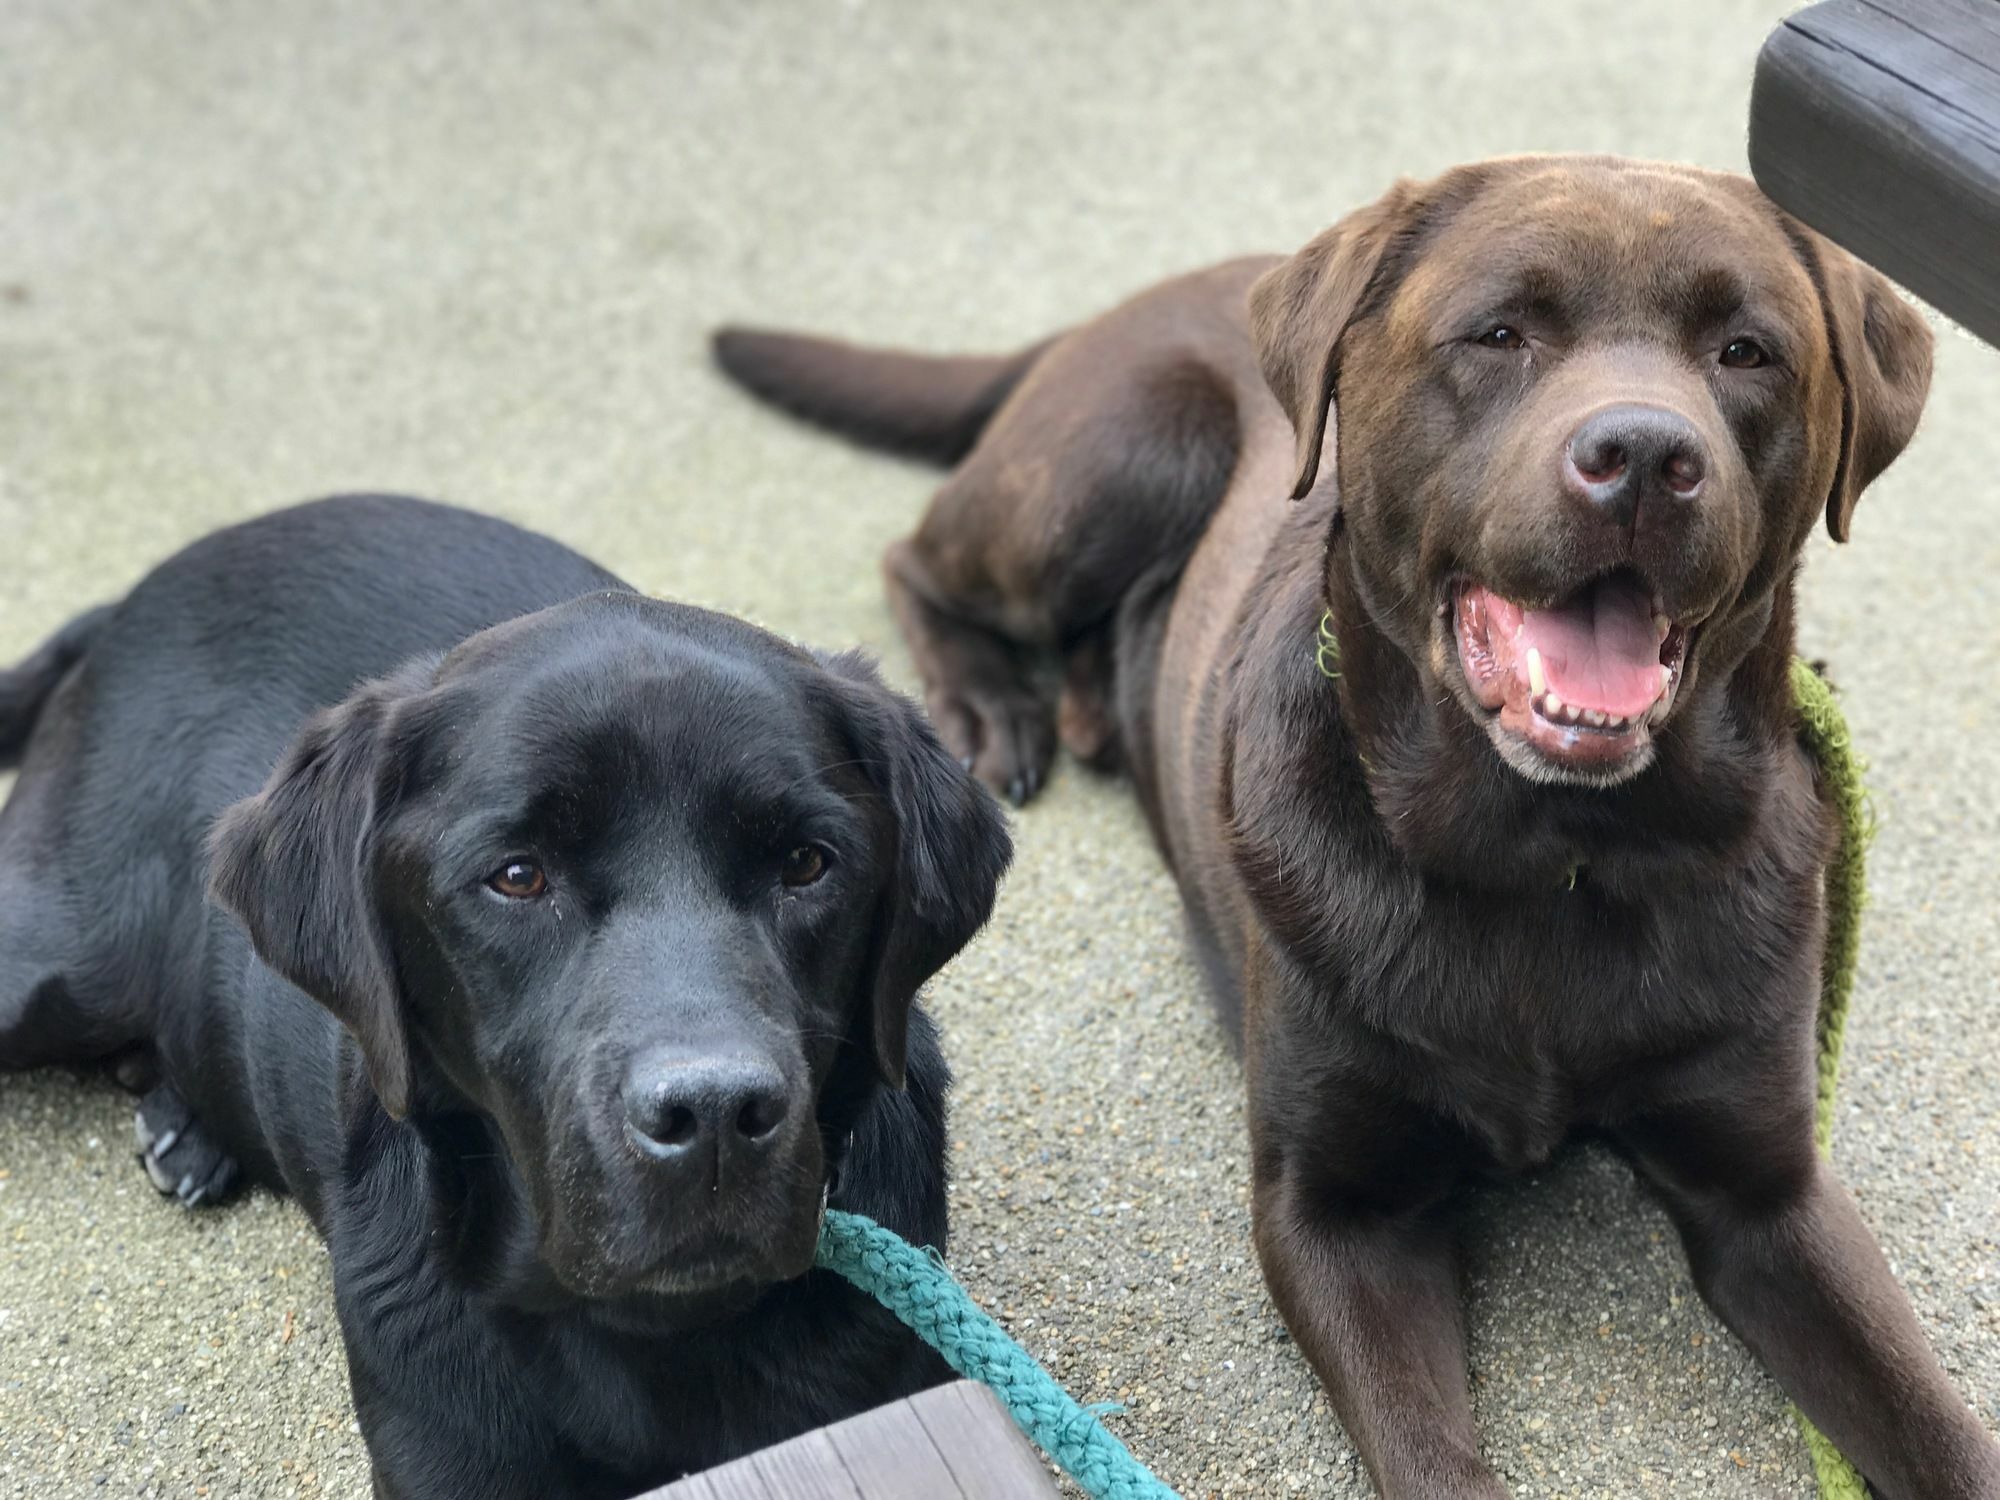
(915, 1286)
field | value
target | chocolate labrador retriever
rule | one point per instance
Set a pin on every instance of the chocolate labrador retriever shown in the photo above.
(563, 968)
(1478, 766)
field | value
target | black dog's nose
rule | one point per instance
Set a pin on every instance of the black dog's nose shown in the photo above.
(1625, 454)
(692, 1105)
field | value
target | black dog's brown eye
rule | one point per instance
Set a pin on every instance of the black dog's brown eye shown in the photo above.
(519, 880)
(1744, 354)
(803, 865)
(1503, 337)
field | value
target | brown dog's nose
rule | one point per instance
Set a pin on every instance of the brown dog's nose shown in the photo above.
(689, 1109)
(1622, 455)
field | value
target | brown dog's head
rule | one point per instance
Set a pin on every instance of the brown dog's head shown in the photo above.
(1588, 412)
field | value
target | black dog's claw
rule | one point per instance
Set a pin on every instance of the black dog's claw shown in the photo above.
(178, 1158)
(154, 1171)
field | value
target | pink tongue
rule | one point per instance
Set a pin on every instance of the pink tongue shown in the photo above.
(1599, 650)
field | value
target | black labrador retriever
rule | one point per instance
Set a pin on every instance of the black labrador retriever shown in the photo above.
(563, 968)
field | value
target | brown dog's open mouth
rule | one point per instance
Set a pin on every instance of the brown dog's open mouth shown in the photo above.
(1585, 681)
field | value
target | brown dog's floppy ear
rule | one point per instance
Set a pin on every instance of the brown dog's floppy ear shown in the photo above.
(294, 863)
(952, 847)
(1300, 310)
(1882, 353)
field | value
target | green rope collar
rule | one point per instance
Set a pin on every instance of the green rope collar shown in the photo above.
(915, 1286)
(1326, 654)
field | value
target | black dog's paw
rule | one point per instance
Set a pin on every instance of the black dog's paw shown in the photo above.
(178, 1158)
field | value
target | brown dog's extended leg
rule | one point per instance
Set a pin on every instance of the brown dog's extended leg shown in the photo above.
(1102, 467)
(1374, 1303)
(1351, 1228)
(1104, 464)
(979, 686)
(1781, 1253)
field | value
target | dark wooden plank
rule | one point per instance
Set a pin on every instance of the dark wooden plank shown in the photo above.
(896, 1452)
(882, 1455)
(981, 1445)
(1878, 123)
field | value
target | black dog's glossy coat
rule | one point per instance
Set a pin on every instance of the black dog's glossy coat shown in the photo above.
(478, 1366)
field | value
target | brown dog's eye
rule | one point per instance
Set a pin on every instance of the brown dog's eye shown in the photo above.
(1744, 354)
(803, 866)
(1503, 337)
(519, 880)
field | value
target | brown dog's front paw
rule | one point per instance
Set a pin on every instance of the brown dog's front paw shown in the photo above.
(1007, 740)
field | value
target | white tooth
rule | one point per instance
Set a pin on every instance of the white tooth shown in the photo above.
(1666, 677)
(1661, 625)
(1552, 706)
(1537, 683)
(1618, 724)
(1657, 713)
(1595, 716)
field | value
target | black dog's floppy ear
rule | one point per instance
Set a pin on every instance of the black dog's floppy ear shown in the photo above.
(1882, 352)
(952, 847)
(295, 864)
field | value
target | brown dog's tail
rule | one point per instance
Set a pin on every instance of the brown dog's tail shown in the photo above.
(926, 405)
(25, 690)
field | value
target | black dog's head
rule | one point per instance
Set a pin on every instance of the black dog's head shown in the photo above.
(1589, 410)
(646, 888)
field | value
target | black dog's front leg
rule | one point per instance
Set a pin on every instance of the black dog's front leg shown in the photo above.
(1781, 1253)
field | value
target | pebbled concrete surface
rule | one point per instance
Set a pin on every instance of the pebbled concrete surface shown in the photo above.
(253, 252)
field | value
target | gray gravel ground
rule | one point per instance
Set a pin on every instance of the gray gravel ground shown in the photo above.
(251, 252)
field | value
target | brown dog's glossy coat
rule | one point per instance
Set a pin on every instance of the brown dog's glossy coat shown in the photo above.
(1445, 952)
